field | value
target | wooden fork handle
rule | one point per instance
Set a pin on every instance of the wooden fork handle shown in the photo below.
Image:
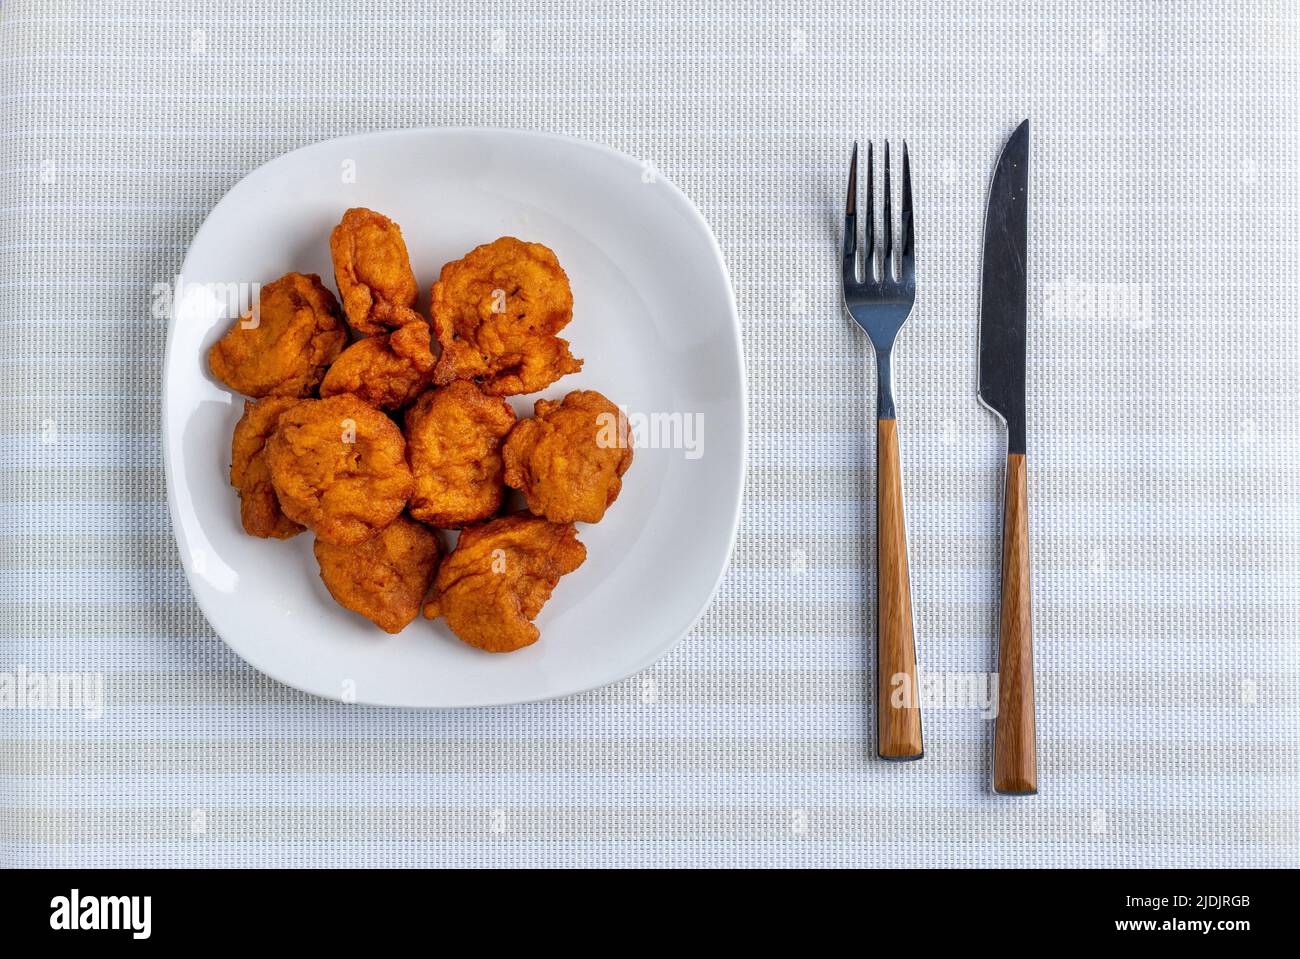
(898, 707)
(1015, 754)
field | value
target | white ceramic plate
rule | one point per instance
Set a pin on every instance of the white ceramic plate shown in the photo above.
(654, 318)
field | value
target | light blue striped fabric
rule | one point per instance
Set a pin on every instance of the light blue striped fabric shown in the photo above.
(1163, 437)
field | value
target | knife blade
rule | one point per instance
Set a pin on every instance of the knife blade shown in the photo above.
(1002, 293)
(1002, 389)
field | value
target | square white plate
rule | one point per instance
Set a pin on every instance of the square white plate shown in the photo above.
(654, 319)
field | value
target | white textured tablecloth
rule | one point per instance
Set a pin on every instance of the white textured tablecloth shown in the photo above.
(1163, 437)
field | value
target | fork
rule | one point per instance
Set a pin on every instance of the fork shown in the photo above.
(880, 303)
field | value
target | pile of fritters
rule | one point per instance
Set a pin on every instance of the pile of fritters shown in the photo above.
(375, 427)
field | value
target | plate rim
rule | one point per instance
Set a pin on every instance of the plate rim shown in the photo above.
(739, 477)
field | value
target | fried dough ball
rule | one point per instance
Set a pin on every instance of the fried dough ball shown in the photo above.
(373, 272)
(569, 458)
(496, 580)
(298, 331)
(387, 577)
(454, 435)
(339, 468)
(387, 371)
(259, 509)
(496, 312)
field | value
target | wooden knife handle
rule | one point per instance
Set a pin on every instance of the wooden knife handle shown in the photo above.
(898, 705)
(1015, 753)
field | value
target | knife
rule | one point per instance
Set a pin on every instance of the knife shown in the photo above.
(1002, 390)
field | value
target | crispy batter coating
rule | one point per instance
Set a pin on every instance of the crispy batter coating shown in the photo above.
(387, 577)
(373, 272)
(499, 576)
(569, 458)
(339, 468)
(496, 312)
(297, 333)
(259, 509)
(454, 435)
(387, 371)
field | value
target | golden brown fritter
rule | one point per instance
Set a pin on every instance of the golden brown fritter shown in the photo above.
(259, 509)
(569, 458)
(387, 577)
(454, 435)
(284, 349)
(496, 312)
(499, 576)
(387, 371)
(339, 468)
(373, 272)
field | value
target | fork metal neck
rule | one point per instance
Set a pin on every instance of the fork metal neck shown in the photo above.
(884, 385)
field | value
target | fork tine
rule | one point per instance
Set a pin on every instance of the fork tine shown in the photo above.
(869, 253)
(851, 223)
(905, 219)
(887, 228)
